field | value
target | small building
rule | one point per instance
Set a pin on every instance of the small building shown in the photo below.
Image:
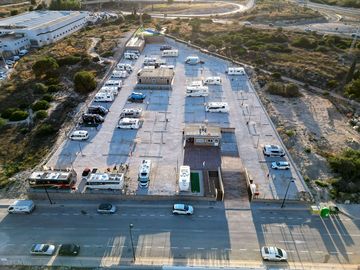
(157, 76)
(202, 135)
(135, 44)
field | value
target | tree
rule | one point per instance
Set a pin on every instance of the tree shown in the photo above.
(195, 25)
(170, 2)
(33, 2)
(352, 90)
(45, 66)
(65, 5)
(84, 82)
(40, 105)
(14, 12)
(350, 74)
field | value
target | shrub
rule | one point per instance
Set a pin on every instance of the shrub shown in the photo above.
(307, 150)
(18, 115)
(288, 90)
(41, 114)
(96, 59)
(40, 88)
(52, 81)
(303, 42)
(40, 105)
(107, 54)
(292, 90)
(2, 122)
(48, 97)
(84, 82)
(14, 12)
(352, 90)
(321, 183)
(7, 112)
(69, 60)
(276, 76)
(332, 83)
(44, 130)
(45, 66)
(290, 132)
(54, 88)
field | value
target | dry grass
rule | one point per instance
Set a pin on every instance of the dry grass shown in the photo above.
(187, 7)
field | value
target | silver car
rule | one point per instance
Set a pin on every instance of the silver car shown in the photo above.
(182, 209)
(273, 254)
(280, 165)
(42, 249)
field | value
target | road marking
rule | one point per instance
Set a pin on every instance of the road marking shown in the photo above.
(201, 248)
(318, 251)
(227, 249)
(296, 242)
(102, 229)
(174, 247)
(98, 246)
(147, 247)
(186, 248)
(290, 218)
(160, 247)
(69, 228)
(281, 218)
(162, 215)
(263, 217)
(272, 217)
(76, 214)
(142, 215)
(124, 215)
(333, 252)
(213, 248)
(87, 246)
(242, 249)
(65, 214)
(123, 246)
(349, 253)
(209, 216)
(304, 251)
(201, 216)
(134, 215)
(299, 218)
(112, 246)
(152, 215)
(44, 214)
(291, 251)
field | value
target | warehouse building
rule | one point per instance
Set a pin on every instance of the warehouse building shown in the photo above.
(157, 77)
(38, 28)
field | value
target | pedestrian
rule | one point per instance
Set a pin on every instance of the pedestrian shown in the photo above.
(268, 174)
(204, 164)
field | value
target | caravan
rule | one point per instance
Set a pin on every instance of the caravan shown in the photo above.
(212, 81)
(217, 107)
(114, 83)
(197, 91)
(170, 53)
(131, 55)
(104, 97)
(236, 71)
(124, 67)
(150, 61)
(109, 90)
(118, 75)
(129, 123)
(131, 113)
(192, 60)
(144, 173)
(184, 178)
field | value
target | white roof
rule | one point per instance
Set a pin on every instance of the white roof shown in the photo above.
(215, 104)
(184, 177)
(145, 166)
(138, 110)
(95, 177)
(80, 132)
(128, 121)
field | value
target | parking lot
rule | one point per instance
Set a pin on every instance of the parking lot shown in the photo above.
(166, 112)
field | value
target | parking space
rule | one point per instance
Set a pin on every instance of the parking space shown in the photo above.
(165, 114)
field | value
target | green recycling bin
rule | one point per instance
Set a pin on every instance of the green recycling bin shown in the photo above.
(325, 212)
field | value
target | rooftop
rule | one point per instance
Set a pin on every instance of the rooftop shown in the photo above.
(156, 73)
(36, 19)
(202, 130)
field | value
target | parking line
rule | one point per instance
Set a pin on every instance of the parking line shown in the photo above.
(186, 248)
(174, 247)
(318, 251)
(242, 249)
(304, 251)
(201, 248)
(160, 247)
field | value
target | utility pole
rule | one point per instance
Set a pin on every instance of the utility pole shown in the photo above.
(132, 243)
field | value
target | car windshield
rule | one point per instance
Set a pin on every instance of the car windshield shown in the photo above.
(266, 250)
(186, 207)
(279, 252)
(105, 206)
(45, 248)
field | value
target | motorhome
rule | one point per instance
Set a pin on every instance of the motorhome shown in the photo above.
(184, 178)
(150, 61)
(217, 107)
(197, 91)
(109, 90)
(212, 81)
(131, 113)
(104, 97)
(129, 123)
(114, 83)
(118, 75)
(168, 66)
(144, 173)
(196, 83)
(21, 206)
(192, 60)
(130, 56)
(170, 53)
(79, 135)
(236, 71)
(109, 181)
(124, 67)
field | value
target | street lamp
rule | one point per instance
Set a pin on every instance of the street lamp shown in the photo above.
(132, 243)
(287, 189)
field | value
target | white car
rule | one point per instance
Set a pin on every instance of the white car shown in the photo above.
(106, 208)
(273, 254)
(42, 249)
(182, 209)
(280, 165)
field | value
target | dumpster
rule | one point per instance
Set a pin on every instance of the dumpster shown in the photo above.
(325, 212)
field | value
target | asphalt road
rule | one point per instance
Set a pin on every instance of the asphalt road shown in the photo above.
(215, 235)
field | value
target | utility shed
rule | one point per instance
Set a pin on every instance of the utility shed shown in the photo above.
(202, 135)
(157, 76)
(135, 43)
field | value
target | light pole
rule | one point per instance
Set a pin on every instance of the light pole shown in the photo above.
(47, 194)
(287, 189)
(132, 243)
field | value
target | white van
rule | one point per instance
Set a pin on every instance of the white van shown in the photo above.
(109, 90)
(79, 135)
(144, 173)
(21, 206)
(192, 60)
(197, 91)
(150, 61)
(212, 81)
(170, 53)
(184, 178)
(104, 97)
(131, 113)
(117, 75)
(114, 83)
(236, 71)
(129, 123)
(124, 67)
(217, 107)
(130, 56)
(168, 66)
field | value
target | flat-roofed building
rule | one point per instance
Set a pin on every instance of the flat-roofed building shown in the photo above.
(156, 76)
(135, 43)
(202, 135)
(38, 28)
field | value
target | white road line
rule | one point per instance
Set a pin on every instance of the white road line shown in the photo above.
(255, 249)
(162, 215)
(201, 216)
(299, 218)
(87, 246)
(227, 249)
(304, 251)
(318, 251)
(152, 215)
(200, 248)
(272, 217)
(213, 248)
(333, 252)
(291, 251)
(65, 214)
(102, 229)
(99, 246)
(242, 249)
(44, 214)
(281, 218)
(290, 218)
(142, 215)
(174, 247)
(124, 215)
(69, 228)
(147, 247)
(186, 248)
(349, 253)
(263, 217)
(209, 216)
(76, 214)
(112, 246)
(160, 247)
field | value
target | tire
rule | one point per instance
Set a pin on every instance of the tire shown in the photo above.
(175, 213)
(188, 214)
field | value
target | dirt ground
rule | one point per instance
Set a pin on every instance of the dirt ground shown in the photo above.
(316, 128)
(185, 8)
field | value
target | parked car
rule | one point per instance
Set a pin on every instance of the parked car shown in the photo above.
(15, 58)
(42, 249)
(273, 254)
(23, 52)
(272, 150)
(100, 110)
(79, 135)
(69, 250)
(182, 209)
(92, 118)
(165, 47)
(136, 97)
(106, 208)
(280, 165)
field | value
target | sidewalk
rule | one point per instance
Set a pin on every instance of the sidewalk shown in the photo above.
(350, 210)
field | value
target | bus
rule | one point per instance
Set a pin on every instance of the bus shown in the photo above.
(109, 181)
(53, 179)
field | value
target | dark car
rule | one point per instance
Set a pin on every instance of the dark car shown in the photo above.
(92, 118)
(69, 250)
(106, 208)
(100, 110)
(165, 47)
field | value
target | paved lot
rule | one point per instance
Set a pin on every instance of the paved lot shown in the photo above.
(166, 113)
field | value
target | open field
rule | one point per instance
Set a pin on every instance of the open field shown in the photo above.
(188, 8)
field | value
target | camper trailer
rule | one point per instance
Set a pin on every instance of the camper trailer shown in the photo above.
(170, 53)
(240, 71)
(109, 90)
(131, 55)
(144, 173)
(150, 61)
(222, 107)
(114, 83)
(79, 135)
(197, 91)
(124, 67)
(192, 60)
(131, 113)
(118, 75)
(129, 123)
(104, 97)
(184, 178)
(212, 81)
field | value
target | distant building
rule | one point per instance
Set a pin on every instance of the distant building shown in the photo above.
(157, 76)
(135, 43)
(202, 135)
(38, 28)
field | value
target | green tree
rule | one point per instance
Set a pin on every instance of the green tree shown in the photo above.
(84, 82)
(45, 66)
(195, 25)
(14, 12)
(352, 90)
(40, 105)
(350, 74)
(18, 115)
(65, 5)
